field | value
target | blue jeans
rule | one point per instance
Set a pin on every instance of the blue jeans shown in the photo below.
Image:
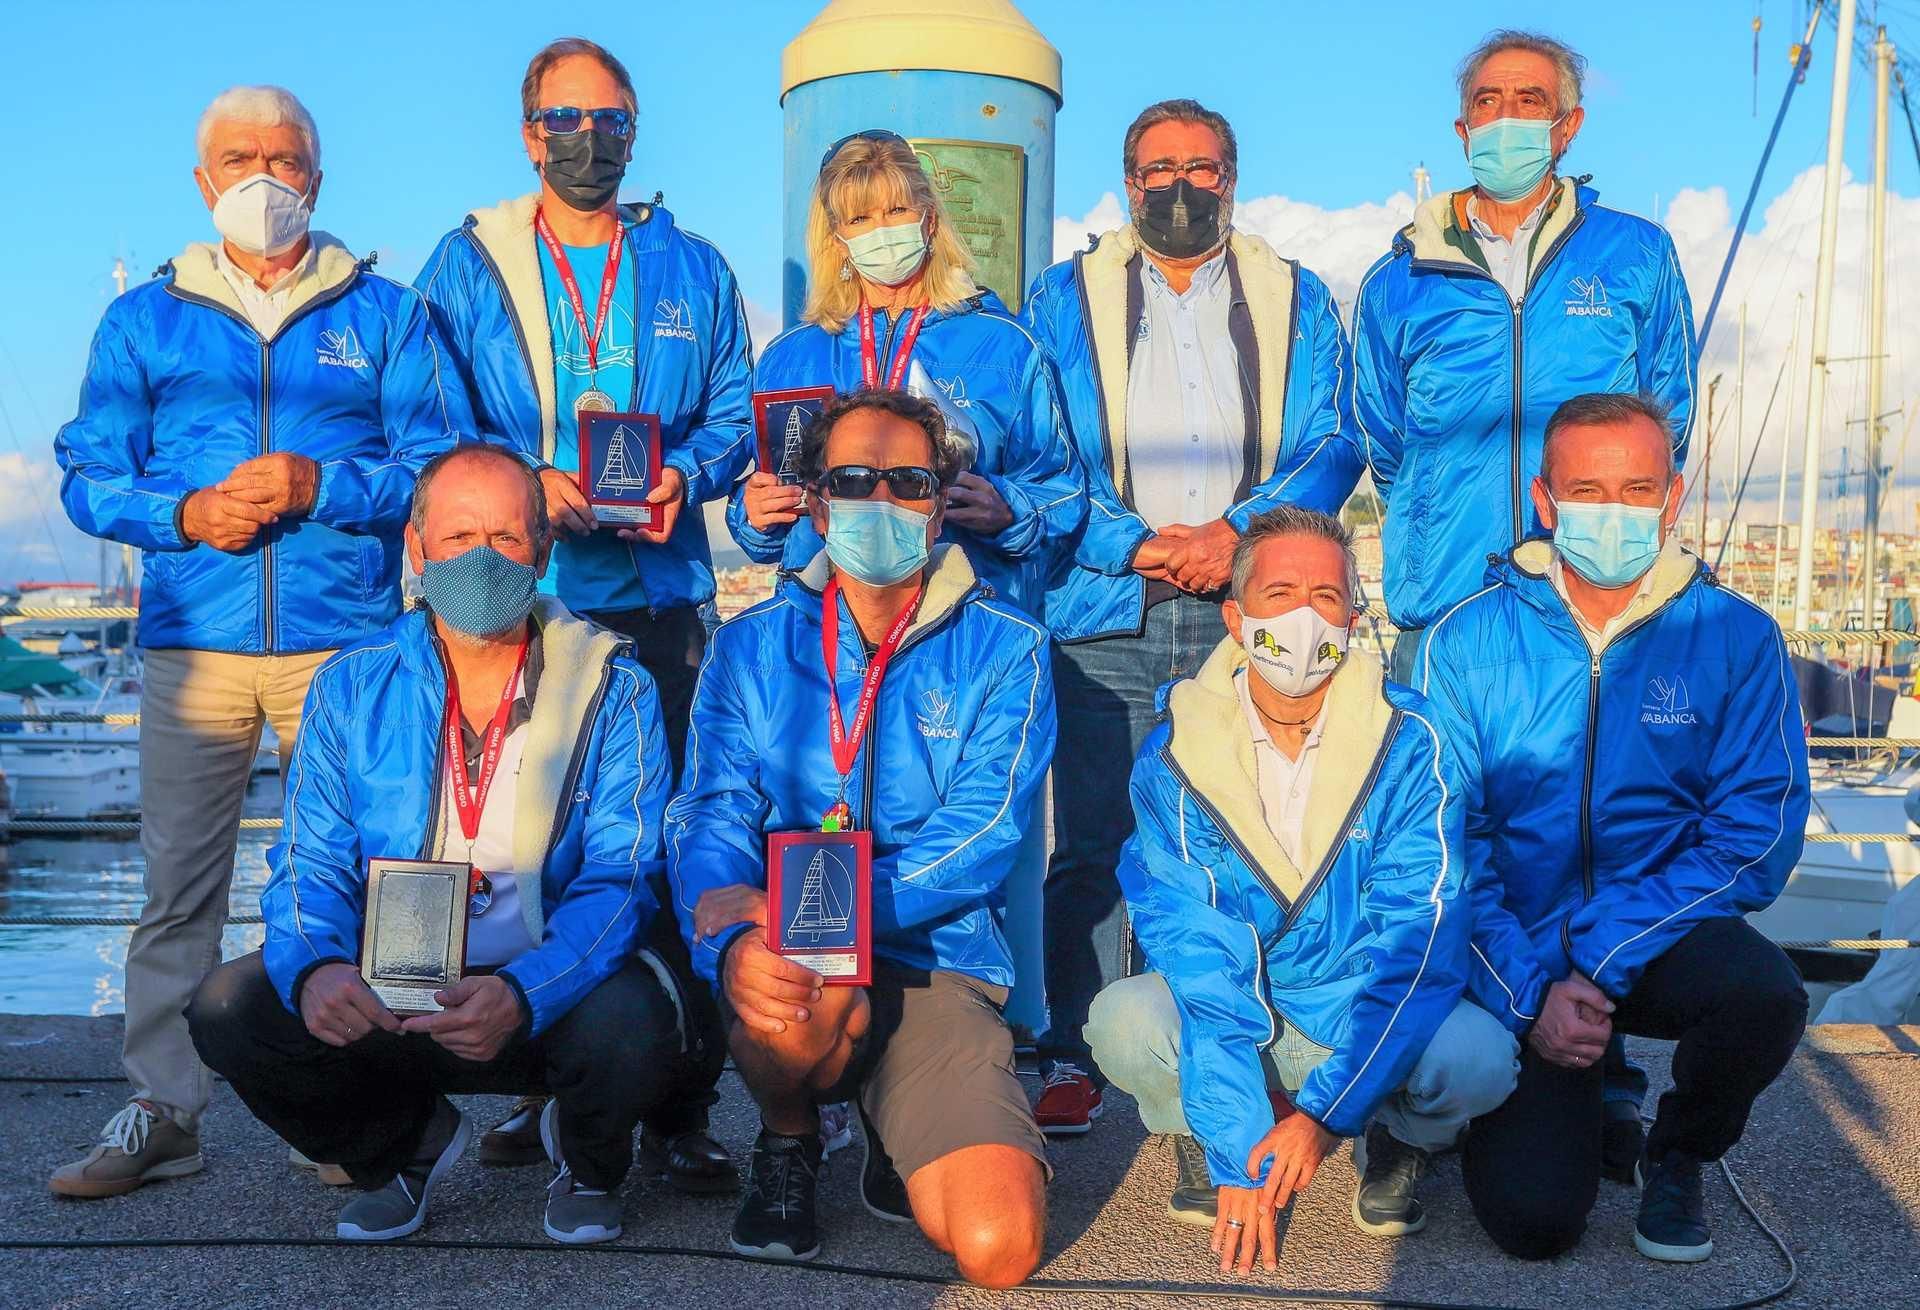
(1105, 693)
(1467, 1069)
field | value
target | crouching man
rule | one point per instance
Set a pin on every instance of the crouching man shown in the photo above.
(487, 730)
(1293, 876)
(882, 689)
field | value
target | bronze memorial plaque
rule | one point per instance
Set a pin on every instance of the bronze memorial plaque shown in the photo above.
(984, 187)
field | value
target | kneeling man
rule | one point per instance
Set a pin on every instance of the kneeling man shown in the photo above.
(490, 731)
(1293, 876)
(882, 689)
(1638, 783)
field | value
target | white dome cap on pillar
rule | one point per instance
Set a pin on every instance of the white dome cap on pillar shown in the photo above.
(961, 36)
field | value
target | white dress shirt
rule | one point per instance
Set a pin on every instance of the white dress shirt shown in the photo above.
(500, 934)
(266, 308)
(1507, 260)
(1284, 784)
(1597, 638)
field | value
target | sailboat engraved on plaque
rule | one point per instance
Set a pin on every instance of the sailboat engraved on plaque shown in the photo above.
(780, 422)
(826, 896)
(819, 897)
(620, 463)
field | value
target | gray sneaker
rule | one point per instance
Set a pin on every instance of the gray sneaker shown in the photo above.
(139, 1145)
(400, 1207)
(576, 1215)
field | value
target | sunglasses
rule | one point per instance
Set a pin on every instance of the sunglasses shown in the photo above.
(1203, 173)
(565, 120)
(871, 134)
(859, 481)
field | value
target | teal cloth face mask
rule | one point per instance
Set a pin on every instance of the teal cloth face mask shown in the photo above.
(888, 255)
(876, 541)
(1509, 156)
(1609, 544)
(479, 592)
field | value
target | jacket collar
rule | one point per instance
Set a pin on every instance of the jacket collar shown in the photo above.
(505, 232)
(1267, 282)
(1440, 234)
(1674, 569)
(1213, 747)
(950, 584)
(196, 271)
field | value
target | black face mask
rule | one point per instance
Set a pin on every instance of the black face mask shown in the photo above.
(1179, 221)
(584, 168)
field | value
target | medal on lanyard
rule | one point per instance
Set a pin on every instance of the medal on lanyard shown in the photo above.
(592, 399)
(869, 354)
(845, 742)
(469, 799)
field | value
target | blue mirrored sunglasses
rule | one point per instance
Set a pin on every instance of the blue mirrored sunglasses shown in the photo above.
(565, 120)
(871, 134)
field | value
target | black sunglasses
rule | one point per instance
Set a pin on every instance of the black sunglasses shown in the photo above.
(859, 481)
(871, 134)
(565, 120)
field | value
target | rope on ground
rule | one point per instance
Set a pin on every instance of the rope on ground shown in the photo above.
(106, 827)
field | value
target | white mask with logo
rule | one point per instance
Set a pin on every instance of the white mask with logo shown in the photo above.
(1296, 651)
(262, 215)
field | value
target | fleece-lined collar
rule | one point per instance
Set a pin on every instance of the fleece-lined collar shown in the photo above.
(950, 580)
(1674, 569)
(1268, 282)
(1441, 233)
(196, 271)
(1212, 746)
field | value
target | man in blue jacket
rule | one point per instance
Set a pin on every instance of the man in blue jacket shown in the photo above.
(491, 729)
(251, 420)
(1203, 378)
(1630, 738)
(1294, 875)
(931, 727)
(566, 301)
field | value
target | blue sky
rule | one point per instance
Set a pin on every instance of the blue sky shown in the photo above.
(417, 107)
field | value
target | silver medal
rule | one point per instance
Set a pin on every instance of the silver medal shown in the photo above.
(593, 401)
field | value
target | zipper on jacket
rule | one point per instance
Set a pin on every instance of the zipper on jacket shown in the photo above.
(1519, 411)
(266, 445)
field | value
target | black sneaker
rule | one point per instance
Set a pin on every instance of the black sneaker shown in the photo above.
(1622, 1141)
(1673, 1223)
(776, 1218)
(882, 1190)
(691, 1161)
(1195, 1198)
(1389, 1169)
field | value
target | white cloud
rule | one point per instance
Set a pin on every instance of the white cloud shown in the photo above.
(1776, 263)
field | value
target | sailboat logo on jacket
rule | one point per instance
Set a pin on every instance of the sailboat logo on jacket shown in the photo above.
(1589, 298)
(339, 349)
(1667, 702)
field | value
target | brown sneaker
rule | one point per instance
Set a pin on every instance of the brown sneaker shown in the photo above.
(515, 1140)
(330, 1174)
(138, 1145)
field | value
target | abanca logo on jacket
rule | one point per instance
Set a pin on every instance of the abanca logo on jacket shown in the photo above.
(1589, 298)
(339, 349)
(673, 320)
(936, 716)
(1667, 702)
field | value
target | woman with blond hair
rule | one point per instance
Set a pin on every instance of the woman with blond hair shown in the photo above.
(891, 301)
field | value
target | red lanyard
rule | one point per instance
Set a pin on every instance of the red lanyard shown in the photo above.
(846, 745)
(611, 275)
(869, 355)
(468, 799)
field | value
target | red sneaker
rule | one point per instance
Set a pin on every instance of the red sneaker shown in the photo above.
(1069, 1102)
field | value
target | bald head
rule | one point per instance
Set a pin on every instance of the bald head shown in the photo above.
(478, 495)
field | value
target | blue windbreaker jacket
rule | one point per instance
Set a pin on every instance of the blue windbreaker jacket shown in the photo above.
(180, 389)
(485, 286)
(959, 745)
(1615, 799)
(1453, 383)
(1085, 312)
(987, 367)
(365, 783)
(1362, 947)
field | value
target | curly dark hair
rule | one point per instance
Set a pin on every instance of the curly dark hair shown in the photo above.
(947, 461)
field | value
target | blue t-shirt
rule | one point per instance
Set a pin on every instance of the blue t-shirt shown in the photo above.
(572, 375)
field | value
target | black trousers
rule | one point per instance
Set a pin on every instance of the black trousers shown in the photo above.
(609, 1061)
(669, 645)
(1732, 1002)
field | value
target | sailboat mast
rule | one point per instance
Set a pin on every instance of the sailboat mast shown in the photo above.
(1780, 492)
(1877, 323)
(1823, 311)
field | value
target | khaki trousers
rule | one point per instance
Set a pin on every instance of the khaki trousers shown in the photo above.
(200, 718)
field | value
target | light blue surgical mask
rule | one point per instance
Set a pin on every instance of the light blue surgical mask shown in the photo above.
(479, 592)
(876, 541)
(888, 255)
(1509, 156)
(1607, 543)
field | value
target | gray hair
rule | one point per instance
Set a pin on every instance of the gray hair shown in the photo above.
(951, 454)
(1291, 521)
(264, 106)
(1569, 67)
(1600, 409)
(536, 494)
(1180, 111)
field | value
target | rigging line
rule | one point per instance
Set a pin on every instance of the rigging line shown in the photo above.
(33, 489)
(1753, 190)
(1739, 495)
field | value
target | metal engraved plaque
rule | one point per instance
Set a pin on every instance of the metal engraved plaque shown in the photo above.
(984, 187)
(819, 902)
(620, 463)
(780, 420)
(415, 941)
